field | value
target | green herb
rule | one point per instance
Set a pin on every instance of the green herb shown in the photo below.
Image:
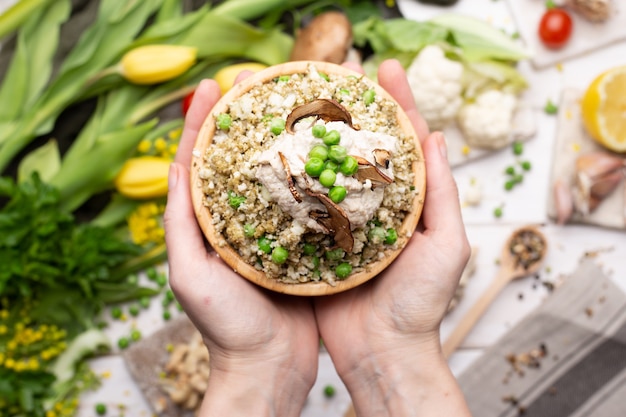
(234, 200)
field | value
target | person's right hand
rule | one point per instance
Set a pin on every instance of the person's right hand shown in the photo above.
(383, 336)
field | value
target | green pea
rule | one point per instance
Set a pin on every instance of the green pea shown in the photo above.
(277, 125)
(280, 255)
(377, 235)
(316, 262)
(135, 335)
(224, 121)
(510, 170)
(518, 178)
(101, 409)
(392, 236)
(338, 193)
(331, 165)
(134, 310)
(369, 96)
(334, 254)
(144, 301)
(343, 270)
(116, 313)
(167, 315)
(284, 78)
(151, 273)
(169, 295)
(309, 249)
(509, 185)
(123, 342)
(161, 280)
(318, 131)
(234, 200)
(526, 166)
(497, 212)
(265, 244)
(518, 147)
(329, 391)
(314, 167)
(328, 178)
(248, 230)
(349, 166)
(319, 151)
(337, 153)
(332, 138)
(132, 279)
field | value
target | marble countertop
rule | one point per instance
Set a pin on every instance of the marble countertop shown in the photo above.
(525, 204)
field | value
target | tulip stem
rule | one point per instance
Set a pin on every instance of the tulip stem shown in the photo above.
(146, 110)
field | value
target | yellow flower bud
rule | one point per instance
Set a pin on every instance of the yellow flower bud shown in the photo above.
(226, 76)
(144, 177)
(153, 64)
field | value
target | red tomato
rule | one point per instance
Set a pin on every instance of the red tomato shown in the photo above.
(187, 102)
(555, 28)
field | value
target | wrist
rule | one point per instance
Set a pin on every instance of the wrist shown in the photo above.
(259, 389)
(412, 379)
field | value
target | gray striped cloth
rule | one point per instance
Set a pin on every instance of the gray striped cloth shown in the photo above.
(566, 359)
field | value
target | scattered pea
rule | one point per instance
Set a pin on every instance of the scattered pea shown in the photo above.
(328, 178)
(349, 166)
(526, 166)
(116, 312)
(280, 255)
(314, 167)
(132, 279)
(337, 193)
(151, 273)
(343, 270)
(316, 262)
(318, 131)
(518, 147)
(224, 121)
(392, 236)
(161, 280)
(509, 185)
(134, 310)
(319, 151)
(167, 315)
(265, 244)
(144, 302)
(369, 96)
(510, 170)
(101, 409)
(277, 126)
(309, 249)
(497, 212)
(550, 107)
(337, 153)
(123, 342)
(135, 335)
(332, 138)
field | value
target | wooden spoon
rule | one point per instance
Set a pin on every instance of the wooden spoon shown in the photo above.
(512, 266)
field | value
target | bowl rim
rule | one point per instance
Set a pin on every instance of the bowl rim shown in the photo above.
(230, 256)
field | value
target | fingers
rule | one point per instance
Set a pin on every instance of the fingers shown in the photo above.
(442, 209)
(391, 77)
(204, 98)
(183, 237)
(353, 66)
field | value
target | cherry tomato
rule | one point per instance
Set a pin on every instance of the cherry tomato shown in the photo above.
(186, 103)
(555, 28)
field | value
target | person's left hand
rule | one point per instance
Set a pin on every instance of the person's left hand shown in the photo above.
(263, 346)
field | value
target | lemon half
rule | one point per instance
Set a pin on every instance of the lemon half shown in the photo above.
(603, 109)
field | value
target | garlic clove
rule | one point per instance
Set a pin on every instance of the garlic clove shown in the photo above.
(564, 201)
(595, 164)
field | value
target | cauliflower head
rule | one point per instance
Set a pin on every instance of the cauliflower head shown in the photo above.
(487, 122)
(436, 86)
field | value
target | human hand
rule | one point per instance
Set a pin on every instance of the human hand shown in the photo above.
(383, 336)
(263, 346)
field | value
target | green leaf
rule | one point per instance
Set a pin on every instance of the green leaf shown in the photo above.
(411, 36)
(479, 40)
(46, 160)
(15, 16)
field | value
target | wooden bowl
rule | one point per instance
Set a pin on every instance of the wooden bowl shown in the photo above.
(230, 255)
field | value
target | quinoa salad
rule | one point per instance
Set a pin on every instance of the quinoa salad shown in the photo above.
(309, 176)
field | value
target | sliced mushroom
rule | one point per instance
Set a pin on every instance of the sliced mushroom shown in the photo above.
(369, 171)
(382, 157)
(326, 38)
(334, 220)
(323, 108)
(290, 181)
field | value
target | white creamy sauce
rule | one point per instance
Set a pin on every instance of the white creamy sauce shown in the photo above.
(361, 201)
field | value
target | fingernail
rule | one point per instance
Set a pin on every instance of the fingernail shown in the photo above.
(172, 177)
(441, 143)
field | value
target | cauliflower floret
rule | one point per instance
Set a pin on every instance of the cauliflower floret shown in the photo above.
(487, 122)
(436, 85)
